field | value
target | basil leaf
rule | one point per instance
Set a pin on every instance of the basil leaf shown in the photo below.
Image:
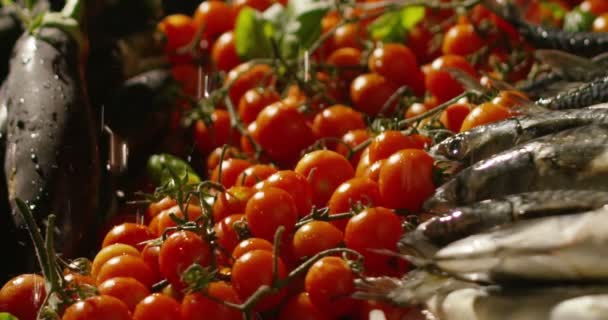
(578, 20)
(253, 35)
(393, 26)
(410, 16)
(160, 167)
(302, 25)
(7, 316)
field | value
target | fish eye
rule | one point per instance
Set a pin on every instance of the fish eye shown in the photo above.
(456, 147)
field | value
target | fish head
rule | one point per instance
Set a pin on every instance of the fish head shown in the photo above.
(452, 148)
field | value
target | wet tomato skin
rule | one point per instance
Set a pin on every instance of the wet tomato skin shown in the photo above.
(157, 307)
(329, 284)
(98, 307)
(127, 290)
(22, 296)
(179, 252)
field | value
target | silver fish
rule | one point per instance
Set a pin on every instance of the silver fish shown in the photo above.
(591, 307)
(484, 141)
(464, 221)
(551, 249)
(581, 96)
(575, 158)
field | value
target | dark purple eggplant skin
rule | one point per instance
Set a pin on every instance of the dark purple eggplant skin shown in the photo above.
(52, 159)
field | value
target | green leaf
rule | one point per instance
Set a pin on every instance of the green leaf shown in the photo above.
(410, 16)
(302, 25)
(253, 35)
(7, 316)
(556, 10)
(578, 20)
(161, 166)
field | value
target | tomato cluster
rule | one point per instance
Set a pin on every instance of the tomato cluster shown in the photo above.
(312, 176)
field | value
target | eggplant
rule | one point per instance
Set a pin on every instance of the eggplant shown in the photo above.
(51, 156)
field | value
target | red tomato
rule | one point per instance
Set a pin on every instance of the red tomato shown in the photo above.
(254, 101)
(247, 76)
(299, 307)
(511, 99)
(196, 306)
(369, 92)
(255, 174)
(214, 157)
(109, 252)
(165, 221)
(259, 5)
(206, 138)
(127, 266)
(453, 116)
(351, 192)
(150, 255)
(128, 233)
(373, 228)
(391, 141)
(406, 179)
(231, 201)
(215, 17)
(440, 83)
(127, 290)
(231, 169)
(98, 307)
(329, 284)
(294, 183)
(596, 7)
(420, 40)
(187, 75)
(325, 171)
(254, 269)
(157, 307)
(268, 209)
(23, 296)
(600, 24)
(179, 252)
(373, 171)
(226, 234)
(348, 36)
(461, 39)
(315, 237)
(223, 52)
(179, 30)
(275, 123)
(352, 139)
(156, 207)
(395, 62)
(345, 59)
(250, 245)
(336, 121)
(483, 114)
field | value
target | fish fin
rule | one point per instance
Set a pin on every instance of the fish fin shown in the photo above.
(466, 80)
(571, 67)
(415, 244)
(499, 84)
(601, 59)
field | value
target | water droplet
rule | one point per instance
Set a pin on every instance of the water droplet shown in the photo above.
(21, 100)
(34, 158)
(46, 85)
(32, 207)
(56, 77)
(34, 135)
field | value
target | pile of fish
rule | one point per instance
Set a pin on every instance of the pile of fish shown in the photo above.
(521, 229)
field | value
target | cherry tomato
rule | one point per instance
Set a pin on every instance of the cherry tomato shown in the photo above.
(406, 179)
(254, 269)
(363, 164)
(453, 116)
(187, 76)
(352, 139)
(329, 284)
(23, 296)
(369, 92)
(391, 141)
(254, 101)
(395, 62)
(346, 60)
(373, 228)
(165, 221)
(208, 137)
(97, 307)
(440, 83)
(247, 76)
(231, 169)
(231, 201)
(179, 252)
(259, 5)
(600, 24)
(196, 306)
(483, 114)
(109, 252)
(294, 183)
(156, 207)
(150, 255)
(357, 190)
(250, 245)
(268, 209)
(127, 290)
(157, 307)
(420, 40)
(325, 171)
(461, 39)
(225, 232)
(511, 99)
(223, 52)
(315, 237)
(596, 7)
(214, 157)
(299, 307)
(373, 171)
(348, 36)
(128, 233)
(255, 174)
(247, 142)
(275, 123)
(127, 266)
(179, 30)
(416, 109)
(336, 121)
(215, 17)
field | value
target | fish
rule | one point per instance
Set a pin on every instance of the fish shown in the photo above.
(576, 158)
(586, 94)
(589, 307)
(587, 44)
(464, 221)
(484, 141)
(557, 249)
